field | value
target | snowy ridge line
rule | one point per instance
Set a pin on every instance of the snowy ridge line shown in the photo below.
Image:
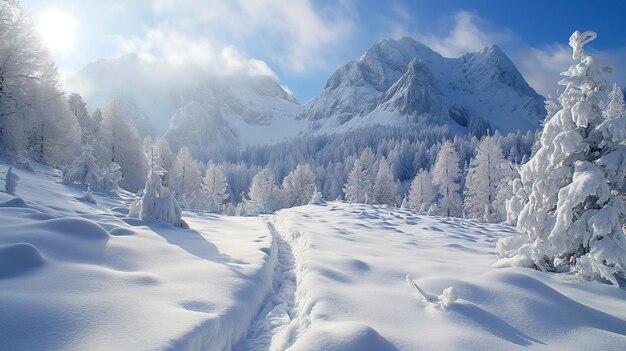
(277, 322)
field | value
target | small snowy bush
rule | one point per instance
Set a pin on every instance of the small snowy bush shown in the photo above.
(157, 202)
(571, 191)
(317, 198)
(10, 182)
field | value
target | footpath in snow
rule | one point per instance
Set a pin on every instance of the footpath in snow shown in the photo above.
(79, 276)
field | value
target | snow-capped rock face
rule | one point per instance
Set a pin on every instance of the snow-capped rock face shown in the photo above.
(396, 81)
(393, 83)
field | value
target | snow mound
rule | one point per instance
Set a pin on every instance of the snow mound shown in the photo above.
(344, 336)
(78, 228)
(17, 259)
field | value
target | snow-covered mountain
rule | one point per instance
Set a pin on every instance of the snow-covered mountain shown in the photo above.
(403, 81)
(182, 101)
(395, 82)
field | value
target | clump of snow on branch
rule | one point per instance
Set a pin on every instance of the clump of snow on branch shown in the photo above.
(571, 191)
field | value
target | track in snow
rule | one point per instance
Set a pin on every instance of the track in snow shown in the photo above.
(277, 324)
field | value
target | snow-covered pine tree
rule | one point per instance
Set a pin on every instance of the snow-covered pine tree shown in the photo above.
(298, 186)
(368, 162)
(185, 177)
(83, 170)
(214, 188)
(484, 178)
(263, 194)
(446, 174)
(317, 198)
(385, 189)
(111, 176)
(10, 181)
(421, 193)
(119, 142)
(356, 186)
(157, 202)
(165, 159)
(87, 124)
(573, 217)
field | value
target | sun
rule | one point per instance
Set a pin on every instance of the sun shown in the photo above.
(57, 30)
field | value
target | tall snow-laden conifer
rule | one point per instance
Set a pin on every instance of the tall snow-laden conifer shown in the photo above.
(185, 178)
(298, 186)
(263, 195)
(214, 188)
(385, 189)
(357, 185)
(485, 176)
(446, 174)
(421, 193)
(573, 216)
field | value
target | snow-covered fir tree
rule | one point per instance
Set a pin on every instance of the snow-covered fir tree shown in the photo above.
(264, 193)
(83, 170)
(185, 178)
(87, 124)
(157, 202)
(573, 215)
(368, 162)
(214, 188)
(446, 175)
(356, 187)
(298, 186)
(165, 159)
(421, 193)
(317, 198)
(485, 176)
(119, 142)
(385, 189)
(10, 181)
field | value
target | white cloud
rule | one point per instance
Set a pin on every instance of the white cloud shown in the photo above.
(165, 43)
(293, 32)
(468, 34)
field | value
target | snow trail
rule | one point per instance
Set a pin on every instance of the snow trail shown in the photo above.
(277, 324)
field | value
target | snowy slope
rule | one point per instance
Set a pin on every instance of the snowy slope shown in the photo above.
(352, 260)
(403, 81)
(77, 276)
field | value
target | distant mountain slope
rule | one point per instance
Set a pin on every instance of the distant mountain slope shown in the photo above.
(395, 82)
(400, 81)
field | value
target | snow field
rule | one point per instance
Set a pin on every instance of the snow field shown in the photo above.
(79, 276)
(351, 266)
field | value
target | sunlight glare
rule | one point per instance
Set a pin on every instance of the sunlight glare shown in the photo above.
(57, 30)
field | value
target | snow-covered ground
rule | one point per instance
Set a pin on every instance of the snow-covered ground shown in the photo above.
(79, 276)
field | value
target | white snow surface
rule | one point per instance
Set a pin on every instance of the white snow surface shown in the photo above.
(80, 276)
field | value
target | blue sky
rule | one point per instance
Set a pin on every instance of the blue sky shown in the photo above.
(302, 42)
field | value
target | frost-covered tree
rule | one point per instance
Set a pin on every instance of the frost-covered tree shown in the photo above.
(263, 195)
(185, 179)
(573, 215)
(356, 187)
(10, 181)
(421, 193)
(83, 170)
(484, 178)
(298, 186)
(119, 142)
(88, 126)
(317, 198)
(157, 202)
(165, 159)
(214, 188)
(446, 174)
(33, 112)
(385, 189)
(368, 162)
(111, 176)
